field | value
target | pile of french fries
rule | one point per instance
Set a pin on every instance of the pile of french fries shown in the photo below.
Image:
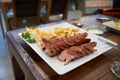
(39, 34)
(116, 25)
(64, 32)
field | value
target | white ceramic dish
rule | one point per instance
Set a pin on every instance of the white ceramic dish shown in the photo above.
(95, 30)
(58, 66)
(109, 27)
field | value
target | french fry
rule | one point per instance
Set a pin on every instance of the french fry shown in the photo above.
(115, 25)
(64, 32)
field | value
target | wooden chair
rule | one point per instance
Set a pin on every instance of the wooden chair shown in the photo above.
(1, 26)
(25, 13)
(56, 9)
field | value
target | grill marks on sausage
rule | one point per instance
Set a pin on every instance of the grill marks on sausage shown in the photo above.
(76, 52)
(69, 49)
(48, 42)
(54, 46)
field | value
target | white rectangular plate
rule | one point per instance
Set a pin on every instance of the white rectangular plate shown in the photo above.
(58, 66)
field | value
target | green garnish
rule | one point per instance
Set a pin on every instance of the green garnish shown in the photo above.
(31, 27)
(27, 37)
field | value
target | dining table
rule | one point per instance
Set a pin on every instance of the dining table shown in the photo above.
(27, 65)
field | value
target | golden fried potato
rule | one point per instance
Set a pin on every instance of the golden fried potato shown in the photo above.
(38, 34)
(116, 25)
(64, 32)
